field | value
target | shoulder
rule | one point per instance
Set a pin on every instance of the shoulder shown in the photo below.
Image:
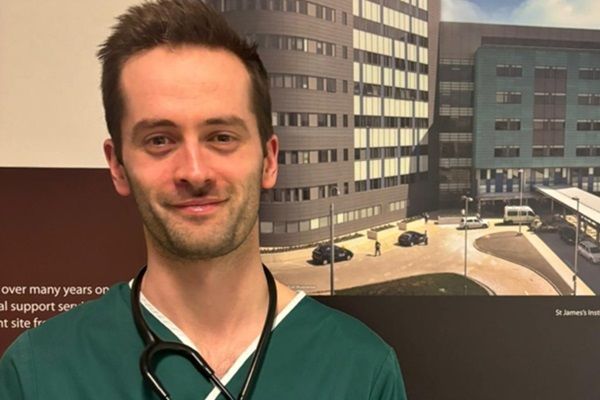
(337, 330)
(37, 352)
(338, 349)
(88, 318)
(94, 315)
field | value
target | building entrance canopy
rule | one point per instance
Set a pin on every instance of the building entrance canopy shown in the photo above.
(589, 204)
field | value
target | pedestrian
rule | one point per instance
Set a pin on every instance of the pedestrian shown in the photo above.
(425, 217)
(377, 248)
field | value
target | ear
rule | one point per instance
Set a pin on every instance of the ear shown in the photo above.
(270, 167)
(117, 170)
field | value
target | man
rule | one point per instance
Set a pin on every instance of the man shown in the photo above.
(188, 110)
(377, 248)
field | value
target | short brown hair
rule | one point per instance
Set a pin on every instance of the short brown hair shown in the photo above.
(175, 23)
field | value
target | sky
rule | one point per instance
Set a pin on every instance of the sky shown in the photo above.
(554, 13)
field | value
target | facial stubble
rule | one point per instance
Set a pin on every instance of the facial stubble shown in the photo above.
(204, 239)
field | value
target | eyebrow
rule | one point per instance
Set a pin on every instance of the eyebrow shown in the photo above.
(230, 120)
(146, 124)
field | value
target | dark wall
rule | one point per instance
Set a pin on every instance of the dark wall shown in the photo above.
(68, 227)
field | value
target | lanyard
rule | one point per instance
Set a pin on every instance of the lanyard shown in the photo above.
(155, 345)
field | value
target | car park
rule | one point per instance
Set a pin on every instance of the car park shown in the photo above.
(410, 238)
(472, 223)
(589, 251)
(567, 234)
(322, 254)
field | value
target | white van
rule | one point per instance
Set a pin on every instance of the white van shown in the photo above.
(516, 214)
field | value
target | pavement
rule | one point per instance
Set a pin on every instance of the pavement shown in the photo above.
(509, 264)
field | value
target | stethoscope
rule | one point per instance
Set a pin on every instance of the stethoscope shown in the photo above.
(155, 345)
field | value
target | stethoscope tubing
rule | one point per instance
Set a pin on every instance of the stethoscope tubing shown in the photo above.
(154, 345)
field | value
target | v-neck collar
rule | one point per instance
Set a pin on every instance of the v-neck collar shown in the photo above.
(241, 359)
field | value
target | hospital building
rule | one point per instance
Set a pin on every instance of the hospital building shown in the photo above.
(518, 105)
(352, 86)
(384, 112)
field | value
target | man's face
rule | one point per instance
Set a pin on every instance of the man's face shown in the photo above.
(192, 155)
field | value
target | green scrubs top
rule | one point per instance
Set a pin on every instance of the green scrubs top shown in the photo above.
(93, 351)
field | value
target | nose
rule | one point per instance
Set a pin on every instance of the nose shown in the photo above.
(193, 170)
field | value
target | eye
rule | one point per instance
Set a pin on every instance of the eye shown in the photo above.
(223, 137)
(158, 141)
(158, 144)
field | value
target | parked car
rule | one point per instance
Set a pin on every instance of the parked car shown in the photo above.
(472, 223)
(539, 226)
(516, 214)
(322, 254)
(567, 234)
(410, 238)
(589, 251)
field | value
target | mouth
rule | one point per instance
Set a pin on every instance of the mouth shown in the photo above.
(198, 207)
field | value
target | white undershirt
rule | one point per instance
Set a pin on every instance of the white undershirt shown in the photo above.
(186, 340)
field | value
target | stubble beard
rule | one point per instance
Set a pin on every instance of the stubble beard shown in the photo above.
(214, 237)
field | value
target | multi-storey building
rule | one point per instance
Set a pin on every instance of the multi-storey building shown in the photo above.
(517, 104)
(352, 86)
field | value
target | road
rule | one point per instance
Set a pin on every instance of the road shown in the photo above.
(445, 253)
(588, 272)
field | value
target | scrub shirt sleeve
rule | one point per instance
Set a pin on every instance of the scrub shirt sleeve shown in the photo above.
(388, 383)
(13, 374)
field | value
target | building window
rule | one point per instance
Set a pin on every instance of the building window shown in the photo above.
(549, 98)
(266, 227)
(390, 181)
(391, 92)
(295, 43)
(588, 99)
(508, 124)
(312, 120)
(589, 73)
(307, 156)
(360, 186)
(360, 154)
(508, 97)
(381, 60)
(375, 152)
(292, 81)
(587, 151)
(548, 124)
(344, 18)
(375, 183)
(588, 125)
(506, 151)
(509, 70)
(367, 121)
(548, 151)
(550, 72)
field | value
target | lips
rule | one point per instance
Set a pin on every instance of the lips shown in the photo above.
(199, 207)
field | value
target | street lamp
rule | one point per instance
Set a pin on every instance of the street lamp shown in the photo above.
(576, 245)
(467, 199)
(332, 255)
(520, 197)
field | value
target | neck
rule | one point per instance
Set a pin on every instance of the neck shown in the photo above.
(215, 294)
(220, 304)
